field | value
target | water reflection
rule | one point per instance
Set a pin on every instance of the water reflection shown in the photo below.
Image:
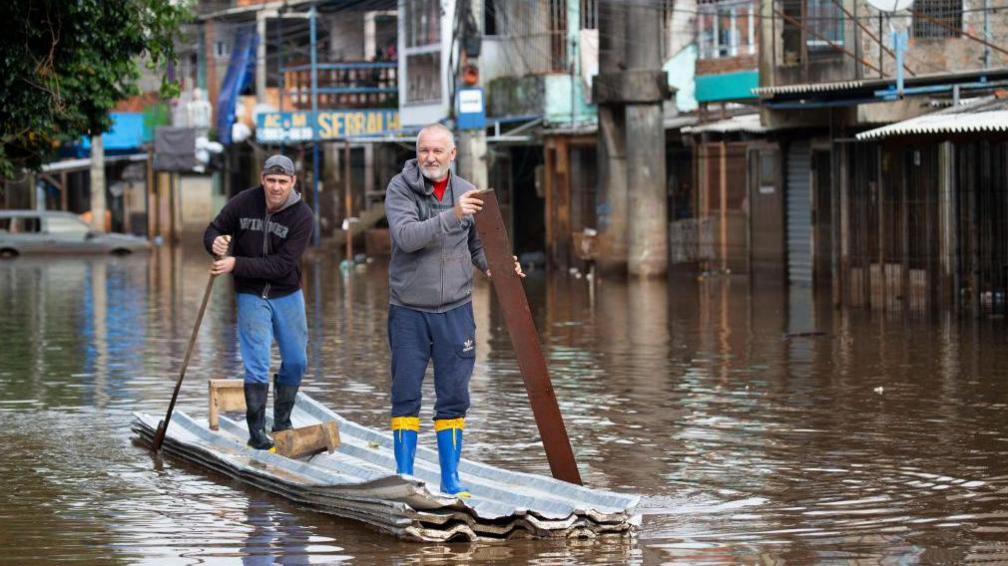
(758, 424)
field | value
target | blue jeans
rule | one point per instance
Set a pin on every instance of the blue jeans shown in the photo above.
(259, 322)
(416, 337)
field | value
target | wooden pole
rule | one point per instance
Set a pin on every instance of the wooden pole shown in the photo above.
(163, 426)
(347, 201)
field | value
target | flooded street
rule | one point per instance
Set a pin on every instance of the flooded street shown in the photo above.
(756, 424)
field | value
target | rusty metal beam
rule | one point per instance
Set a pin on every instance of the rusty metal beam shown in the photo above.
(525, 339)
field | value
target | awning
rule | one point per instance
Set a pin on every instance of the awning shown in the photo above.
(988, 115)
(868, 88)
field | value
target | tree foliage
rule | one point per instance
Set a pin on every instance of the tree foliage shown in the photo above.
(64, 64)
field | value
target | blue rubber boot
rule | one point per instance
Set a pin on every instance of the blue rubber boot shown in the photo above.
(449, 443)
(404, 438)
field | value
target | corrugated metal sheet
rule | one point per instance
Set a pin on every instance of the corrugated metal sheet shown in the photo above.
(799, 214)
(357, 482)
(770, 91)
(985, 116)
(944, 78)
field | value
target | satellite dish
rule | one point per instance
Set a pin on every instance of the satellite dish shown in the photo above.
(890, 5)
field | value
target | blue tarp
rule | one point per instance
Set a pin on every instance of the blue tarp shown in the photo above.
(127, 133)
(240, 71)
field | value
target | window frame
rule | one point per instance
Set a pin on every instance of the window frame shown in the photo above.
(709, 38)
(413, 48)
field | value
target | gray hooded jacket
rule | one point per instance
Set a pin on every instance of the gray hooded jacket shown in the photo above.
(432, 251)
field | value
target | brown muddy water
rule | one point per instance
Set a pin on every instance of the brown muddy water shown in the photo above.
(750, 436)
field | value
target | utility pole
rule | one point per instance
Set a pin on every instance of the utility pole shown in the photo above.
(472, 153)
(97, 184)
(312, 24)
(629, 90)
(471, 138)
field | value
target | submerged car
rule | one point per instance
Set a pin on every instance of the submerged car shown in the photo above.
(50, 231)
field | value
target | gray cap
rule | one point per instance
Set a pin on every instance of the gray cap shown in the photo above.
(278, 164)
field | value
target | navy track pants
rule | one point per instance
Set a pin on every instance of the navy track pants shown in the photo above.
(417, 337)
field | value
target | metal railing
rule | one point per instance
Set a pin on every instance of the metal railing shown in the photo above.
(355, 84)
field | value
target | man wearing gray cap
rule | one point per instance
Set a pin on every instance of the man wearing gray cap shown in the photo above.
(259, 236)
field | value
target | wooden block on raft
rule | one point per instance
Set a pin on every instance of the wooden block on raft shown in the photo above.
(307, 440)
(225, 395)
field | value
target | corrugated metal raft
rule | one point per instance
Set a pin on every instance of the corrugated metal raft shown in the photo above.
(355, 482)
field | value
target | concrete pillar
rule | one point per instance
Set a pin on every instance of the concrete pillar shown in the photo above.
(613, 237)
(612, 214)
(648, 242)
(472, 157)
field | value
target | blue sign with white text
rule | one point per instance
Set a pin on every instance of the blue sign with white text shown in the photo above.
(471, 109)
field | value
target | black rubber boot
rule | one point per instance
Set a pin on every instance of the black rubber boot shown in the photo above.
(255, 415)
(284, 397)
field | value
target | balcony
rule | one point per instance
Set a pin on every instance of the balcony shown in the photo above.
(344, 85)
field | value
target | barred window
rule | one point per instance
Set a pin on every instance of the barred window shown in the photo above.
(937, 18)
(422, 52)
(423, 77)
(726, 29)
(423, 22)
(826, 20)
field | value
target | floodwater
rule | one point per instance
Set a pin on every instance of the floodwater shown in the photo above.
(757, 424)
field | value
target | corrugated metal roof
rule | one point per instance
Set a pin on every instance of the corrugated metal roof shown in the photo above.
(357, 482)
(871, 84)
(988, 115)
(769, 91)
(743, 123)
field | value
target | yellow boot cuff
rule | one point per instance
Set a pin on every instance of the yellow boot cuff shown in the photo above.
(406, 423)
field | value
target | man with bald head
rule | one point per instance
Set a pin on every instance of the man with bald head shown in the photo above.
(434, 248)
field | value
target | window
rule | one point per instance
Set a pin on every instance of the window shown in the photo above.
(23, 225)
(67, 226)
(490, 17)
(937, 18)
(589, 14)
(825, 22)
(727, 29)
(423, 22)
(221, 49)
(422, 53)
(423, 77)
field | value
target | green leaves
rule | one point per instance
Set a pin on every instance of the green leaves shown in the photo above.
(64, 66)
